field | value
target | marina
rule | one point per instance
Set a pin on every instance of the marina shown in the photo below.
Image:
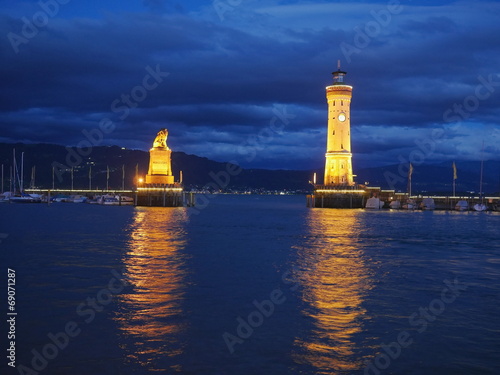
(389, 199)
(164, 196)
(157, 189)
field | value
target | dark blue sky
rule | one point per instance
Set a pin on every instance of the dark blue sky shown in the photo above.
(228, 72)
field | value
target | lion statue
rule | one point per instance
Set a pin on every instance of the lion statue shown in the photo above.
(161, 139)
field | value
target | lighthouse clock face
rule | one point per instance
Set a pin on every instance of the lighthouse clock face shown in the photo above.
(341, 117)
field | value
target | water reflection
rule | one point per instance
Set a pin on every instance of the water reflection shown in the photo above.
(151, 313)
(335, 280)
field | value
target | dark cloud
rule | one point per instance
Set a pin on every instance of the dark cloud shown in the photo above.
(225, 78)
(163, 6)
(431, 26)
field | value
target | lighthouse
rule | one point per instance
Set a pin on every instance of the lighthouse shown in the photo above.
(338, 189)
(338, 165)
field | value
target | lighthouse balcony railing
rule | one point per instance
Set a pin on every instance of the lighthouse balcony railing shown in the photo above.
(340, 188)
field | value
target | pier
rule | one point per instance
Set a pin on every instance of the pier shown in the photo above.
(88, 193)
(337, 196)
(158, 196)
(331, 196)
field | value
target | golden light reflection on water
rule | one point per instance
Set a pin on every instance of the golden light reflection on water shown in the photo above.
(151, 313)
(335, 279)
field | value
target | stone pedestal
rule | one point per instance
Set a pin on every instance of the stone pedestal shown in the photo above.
(160, 170)
(161, 180)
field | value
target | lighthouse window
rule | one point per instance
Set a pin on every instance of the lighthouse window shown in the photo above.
(333, 132)
(341, 102)
(334, 102)
(342, 165)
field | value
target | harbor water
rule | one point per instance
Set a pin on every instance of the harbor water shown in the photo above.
(250, 285)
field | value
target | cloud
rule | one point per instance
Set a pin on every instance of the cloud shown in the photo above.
(225, 77)
(163, 6)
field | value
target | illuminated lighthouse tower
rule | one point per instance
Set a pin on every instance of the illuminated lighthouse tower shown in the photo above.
(338, 166)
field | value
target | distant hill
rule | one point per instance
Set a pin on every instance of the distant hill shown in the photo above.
(199, 172)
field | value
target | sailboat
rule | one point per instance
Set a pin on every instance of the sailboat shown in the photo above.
(3, 197)
(410, 204)
(462, 206)
(395, 205)
(481, 206)
(374, 203)
(496, 206)
(21, 197)
(428, 204)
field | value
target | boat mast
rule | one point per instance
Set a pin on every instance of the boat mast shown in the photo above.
(410, 172)
(454, 177)
(481, 175)
(21, 187)
(14, 168)
(32, 182)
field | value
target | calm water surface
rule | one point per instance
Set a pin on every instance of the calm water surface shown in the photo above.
(252, 285)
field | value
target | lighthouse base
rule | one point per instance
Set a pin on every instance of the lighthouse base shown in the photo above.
(337, 196)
